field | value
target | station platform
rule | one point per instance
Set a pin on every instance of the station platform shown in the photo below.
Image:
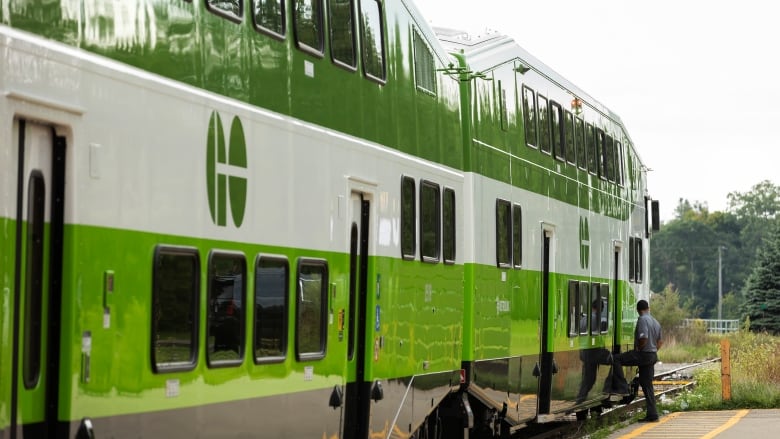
(726, 424)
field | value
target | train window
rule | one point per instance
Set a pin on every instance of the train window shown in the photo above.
(372, 39)
(33, 288)
(590, 136)
(226, 315)
(529, 112)
(424, 71)
(448, 226)
(517, 236)
(584, 309)
(430, 221)
(307, 22)
(631, 260)
(408, 218)
(312, 304)
(601, 147)
(271, 305)
(637, 266)
(609, 158)
(232, 10)
(544, 124)
(175, 308)
(268, 16)
(574, 319)
(556, 125)
(342, 32)
(595, 308)
(569, 138)
(579, 142)
(618, 163)
(503, 233)
(603, 302)
(502, 107)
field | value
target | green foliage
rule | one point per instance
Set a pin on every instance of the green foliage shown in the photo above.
(686, 251)
(762, 291)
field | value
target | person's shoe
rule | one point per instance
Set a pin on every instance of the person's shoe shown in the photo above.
(649, 419)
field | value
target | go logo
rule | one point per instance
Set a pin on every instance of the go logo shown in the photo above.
(226, 171)
(584, 242)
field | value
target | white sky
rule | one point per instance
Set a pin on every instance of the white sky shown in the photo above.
(696, 82)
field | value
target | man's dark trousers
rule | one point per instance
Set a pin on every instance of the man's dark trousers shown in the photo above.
(646, 362)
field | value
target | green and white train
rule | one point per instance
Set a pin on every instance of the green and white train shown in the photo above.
(301, 218)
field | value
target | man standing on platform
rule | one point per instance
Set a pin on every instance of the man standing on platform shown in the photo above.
(647, 341)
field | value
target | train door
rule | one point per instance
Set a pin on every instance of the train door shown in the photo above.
(40, 161)
(617, 300)
(546, 361)
(357, 395)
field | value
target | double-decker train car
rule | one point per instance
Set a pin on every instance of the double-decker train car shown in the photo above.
(559, 219)
(299, 218)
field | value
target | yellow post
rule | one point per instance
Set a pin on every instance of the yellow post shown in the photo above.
(725, 368)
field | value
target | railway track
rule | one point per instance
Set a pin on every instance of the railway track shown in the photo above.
(668, 382)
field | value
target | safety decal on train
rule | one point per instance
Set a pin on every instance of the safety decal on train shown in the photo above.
(226, 171)
(584, 243)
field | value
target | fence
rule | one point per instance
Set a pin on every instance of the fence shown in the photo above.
(714, 326)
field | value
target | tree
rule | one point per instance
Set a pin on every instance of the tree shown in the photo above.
(763, 201)
(762, 290)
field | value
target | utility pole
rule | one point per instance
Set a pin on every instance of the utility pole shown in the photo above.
(720, 283)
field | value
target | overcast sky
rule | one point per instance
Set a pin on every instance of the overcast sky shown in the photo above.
(697, 83)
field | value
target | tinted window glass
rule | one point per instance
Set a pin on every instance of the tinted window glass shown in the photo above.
(580, 143)
(556, 124)
(604, 316)
(529, 112)
(503, 233)
(408, 217)
(372, 39)
(175, 292)
(544, 124)
(574, 319)
(430, 215)
(584, 309)
(517, 235)
(424, 72)
(307, 19)
(33, 289)
(229, 8)
(310, 325)
(590, 134)
(569, 138)
(271, 280)
(448, 228)
(269, 15)
(226, 308)
(342, 32)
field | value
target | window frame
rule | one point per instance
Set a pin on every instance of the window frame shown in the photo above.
(364, 47)
(424, 245)
(215, 363)
(449, 228)
(323, 324)
(285, 311)
(318, 52)
(179, 366)
(227, 14)
(557, 139)
(543, 124)
(530, 117)
(506, 233)
(265, 30)
(408, 218)
(517, 235)
(331, 33)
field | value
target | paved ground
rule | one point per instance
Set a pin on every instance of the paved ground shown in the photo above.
(726, 424)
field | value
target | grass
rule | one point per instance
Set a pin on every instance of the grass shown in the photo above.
(755, 374)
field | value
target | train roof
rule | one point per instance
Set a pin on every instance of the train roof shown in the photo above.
(491, 49)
